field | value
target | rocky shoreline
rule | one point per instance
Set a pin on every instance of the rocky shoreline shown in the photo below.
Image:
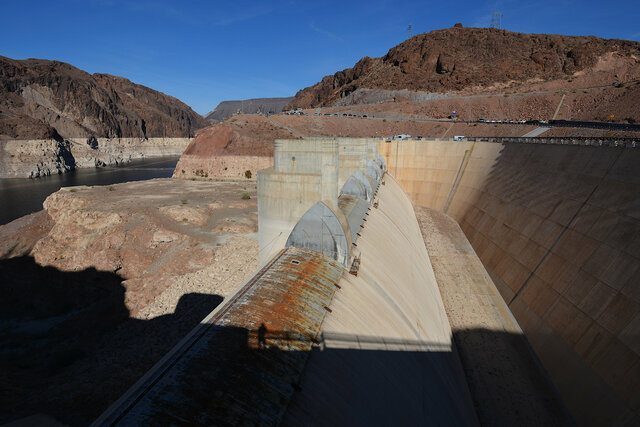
(123, 272)
(33, 158)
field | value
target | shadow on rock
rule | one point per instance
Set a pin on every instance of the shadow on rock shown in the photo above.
(68, 346)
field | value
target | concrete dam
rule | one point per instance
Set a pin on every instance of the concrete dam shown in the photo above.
(422, 282)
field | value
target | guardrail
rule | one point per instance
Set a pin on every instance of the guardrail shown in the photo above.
(574, 140)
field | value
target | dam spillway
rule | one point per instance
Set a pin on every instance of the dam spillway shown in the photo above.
(378, 344)
(307, 331)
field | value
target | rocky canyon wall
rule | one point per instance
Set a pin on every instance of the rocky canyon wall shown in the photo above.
(39, 157)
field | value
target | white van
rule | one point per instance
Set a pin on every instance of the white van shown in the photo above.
(458, 138)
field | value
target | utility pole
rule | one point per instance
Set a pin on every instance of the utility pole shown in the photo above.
(410, 30)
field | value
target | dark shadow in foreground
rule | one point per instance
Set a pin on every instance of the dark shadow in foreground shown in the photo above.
(68, 347)
(232, 375)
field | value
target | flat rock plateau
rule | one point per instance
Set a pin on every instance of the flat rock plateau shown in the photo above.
(122, 273)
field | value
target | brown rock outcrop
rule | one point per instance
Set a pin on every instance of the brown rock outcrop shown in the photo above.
(229, 149)
(41, 99)
(460, 58)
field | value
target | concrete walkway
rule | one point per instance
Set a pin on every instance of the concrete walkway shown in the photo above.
(506, 381)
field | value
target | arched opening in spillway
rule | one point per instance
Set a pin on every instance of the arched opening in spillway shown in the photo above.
(323, 230)
(358, 185)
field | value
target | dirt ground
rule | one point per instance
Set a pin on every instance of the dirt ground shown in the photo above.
(122, 273)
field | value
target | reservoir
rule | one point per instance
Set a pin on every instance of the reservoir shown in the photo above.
(22, 196)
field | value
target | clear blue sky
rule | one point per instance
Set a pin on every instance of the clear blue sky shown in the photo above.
(204, 52)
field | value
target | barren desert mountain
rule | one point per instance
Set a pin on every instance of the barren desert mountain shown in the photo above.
(41, 99)
(265, 105)
(456, 59)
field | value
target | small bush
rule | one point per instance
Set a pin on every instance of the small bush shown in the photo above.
(574, 91)
(183, 201)
(112, 189)
(184, 220)
(506, 95)
(247, 174)
(73, 190)
(182, 170)
(384, 120)
(245, 196)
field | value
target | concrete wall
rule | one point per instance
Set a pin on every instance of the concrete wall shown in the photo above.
(558, 229)
(304, 172)
(282, 200)
(354, 153)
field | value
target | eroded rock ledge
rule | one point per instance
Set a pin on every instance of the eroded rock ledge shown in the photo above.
(39, 157)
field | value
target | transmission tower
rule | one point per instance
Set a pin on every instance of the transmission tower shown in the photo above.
(496, 18)
(410, 30)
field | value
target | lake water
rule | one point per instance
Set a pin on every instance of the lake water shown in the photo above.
(22, 196)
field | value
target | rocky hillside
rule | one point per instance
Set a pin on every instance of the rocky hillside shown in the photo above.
(458, 58)
(242, 143)
(41, 99)
(248, 106)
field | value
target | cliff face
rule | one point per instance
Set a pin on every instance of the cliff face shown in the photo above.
(41, 157)
(460, 58)
(41, 99)
(265, 105)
